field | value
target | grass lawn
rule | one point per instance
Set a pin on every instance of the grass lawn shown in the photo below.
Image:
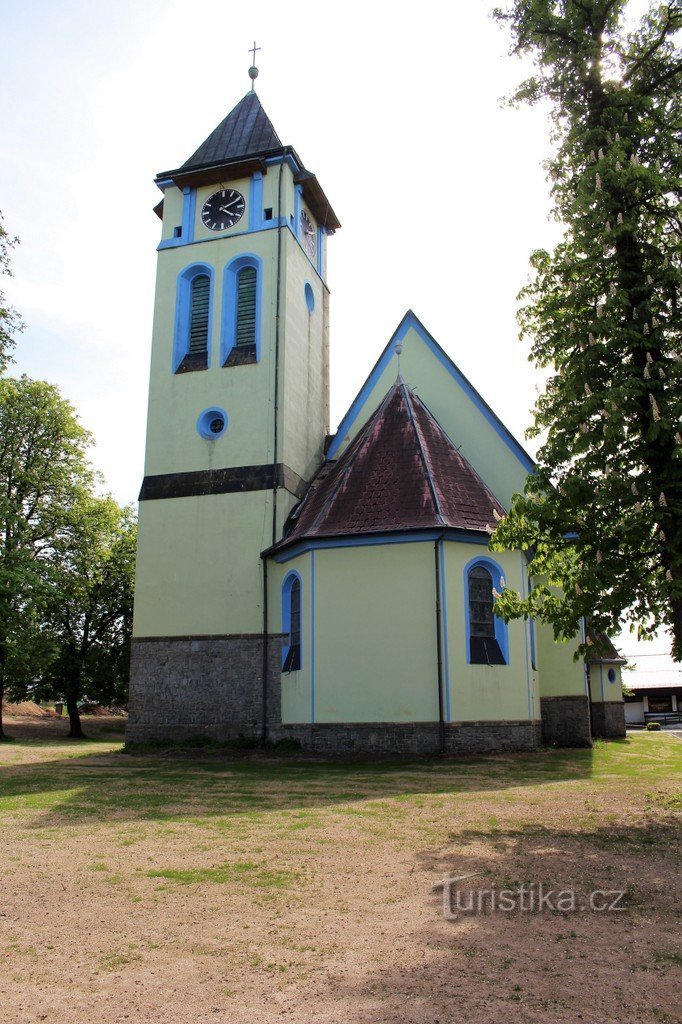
(192, 889)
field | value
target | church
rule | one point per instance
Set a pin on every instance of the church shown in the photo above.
(332, 589)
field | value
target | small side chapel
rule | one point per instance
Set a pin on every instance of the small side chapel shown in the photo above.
(333, 589)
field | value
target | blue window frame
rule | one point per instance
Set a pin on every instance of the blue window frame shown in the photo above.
(291, 622)
(241, 321)
(193, 319)
(486, 634)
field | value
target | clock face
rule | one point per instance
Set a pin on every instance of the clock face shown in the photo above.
(307, 234)
(223, 209)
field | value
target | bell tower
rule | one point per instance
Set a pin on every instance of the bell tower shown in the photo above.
(238, 414)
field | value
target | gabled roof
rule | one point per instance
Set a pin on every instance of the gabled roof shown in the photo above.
(411, 321)
(401, 472)
(246, 131)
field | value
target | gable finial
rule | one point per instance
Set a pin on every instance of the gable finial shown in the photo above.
(253, 70)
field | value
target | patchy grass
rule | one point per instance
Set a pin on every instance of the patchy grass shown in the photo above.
(245, 885)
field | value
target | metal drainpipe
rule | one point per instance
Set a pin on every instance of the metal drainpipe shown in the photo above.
(275, 439)
(277, 314)
(264, 670)
(586, 668)
(439, 646)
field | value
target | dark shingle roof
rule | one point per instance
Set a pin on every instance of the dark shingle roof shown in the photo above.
(245, 131)
(603, 650)
(401, 472)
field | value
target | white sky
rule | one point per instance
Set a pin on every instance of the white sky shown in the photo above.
(395, 107)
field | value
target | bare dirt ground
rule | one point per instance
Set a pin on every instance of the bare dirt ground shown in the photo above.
(258, 889)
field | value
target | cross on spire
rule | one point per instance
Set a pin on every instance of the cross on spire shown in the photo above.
(253, 70)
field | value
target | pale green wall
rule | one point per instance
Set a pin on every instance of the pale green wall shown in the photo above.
(199, 568)
(375, 656)
(600, 687)
(455, 412)
(487, 692)
(560, 675)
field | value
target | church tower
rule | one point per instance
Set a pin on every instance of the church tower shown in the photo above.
(238, 415)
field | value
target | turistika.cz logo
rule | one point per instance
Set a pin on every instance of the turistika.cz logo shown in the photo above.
(528, 898)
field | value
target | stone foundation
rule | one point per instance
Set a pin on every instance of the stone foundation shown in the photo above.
(182, 687)
(608, 719)
(566, 721)
(400, 739)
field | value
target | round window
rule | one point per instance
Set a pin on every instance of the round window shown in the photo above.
(212, 423)
(612, 675)
(309, 297)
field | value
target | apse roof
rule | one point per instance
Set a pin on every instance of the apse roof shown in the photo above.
(401, 472)
(245, 131)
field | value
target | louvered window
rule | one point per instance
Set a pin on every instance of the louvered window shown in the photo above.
(484, 648)
(246, 306)
(198, 315)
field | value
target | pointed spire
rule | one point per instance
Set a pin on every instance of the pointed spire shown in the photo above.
(246, 131)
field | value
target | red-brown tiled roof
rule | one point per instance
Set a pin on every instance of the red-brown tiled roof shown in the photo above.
(401, 472)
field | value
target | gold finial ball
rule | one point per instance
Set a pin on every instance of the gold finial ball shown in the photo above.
(253, 72)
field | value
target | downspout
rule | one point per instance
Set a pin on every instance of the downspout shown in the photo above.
(277, 316)
(264, 670)
(439, 646)
(275, 441)
(586, 669)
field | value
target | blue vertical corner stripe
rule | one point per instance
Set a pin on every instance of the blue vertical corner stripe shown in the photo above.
(525, 637)
(444, 627)
(297, 211)
(411, 321)
(189, 206)
(320, 252)
(256, 201)
(312, 637)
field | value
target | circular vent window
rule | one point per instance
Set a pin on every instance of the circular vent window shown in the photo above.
(212, 423)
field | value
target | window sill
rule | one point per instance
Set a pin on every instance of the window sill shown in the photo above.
(241, 355)
(193, 361)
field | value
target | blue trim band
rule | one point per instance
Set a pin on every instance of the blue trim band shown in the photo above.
(411, 321)
(367, 540)
(256, 201)
(526, 640)
(501, 631)
(444, 627)
(189, 205)
(312, 636)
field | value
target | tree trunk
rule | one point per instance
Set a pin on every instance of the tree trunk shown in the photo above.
(3, 659)
(75, 727)
(72, 694)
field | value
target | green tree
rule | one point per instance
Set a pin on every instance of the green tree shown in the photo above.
(10, 321)
(43, 473)
(602, 514)
(89, 611)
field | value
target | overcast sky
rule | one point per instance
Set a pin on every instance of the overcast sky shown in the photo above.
(396, 108)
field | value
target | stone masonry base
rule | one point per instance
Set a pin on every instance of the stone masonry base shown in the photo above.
(411, 738)
(182, 687)
(566, 721)
(608, 719)
(211, 687)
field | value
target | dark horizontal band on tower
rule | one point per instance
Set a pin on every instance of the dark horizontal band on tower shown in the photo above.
(222, 481)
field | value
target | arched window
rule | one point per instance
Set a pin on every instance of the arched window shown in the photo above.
(191, 346)
(240, 341)
(291, 623)
(486, 633)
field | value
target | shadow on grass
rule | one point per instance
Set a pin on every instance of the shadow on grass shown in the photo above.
(540, 963)
(113, 786)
